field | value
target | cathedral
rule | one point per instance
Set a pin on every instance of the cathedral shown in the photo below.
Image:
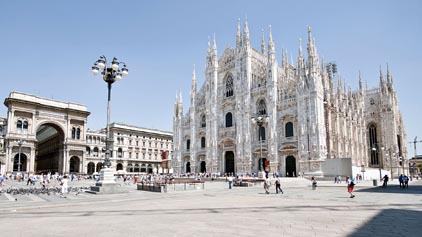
(254, 115)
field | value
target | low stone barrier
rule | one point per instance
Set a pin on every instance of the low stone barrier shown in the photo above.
(243, 184)
(174, 185)
(151, 187)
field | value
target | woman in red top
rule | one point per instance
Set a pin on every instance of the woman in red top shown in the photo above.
(350, 186)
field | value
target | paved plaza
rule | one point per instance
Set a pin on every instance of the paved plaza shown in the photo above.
(219, 211)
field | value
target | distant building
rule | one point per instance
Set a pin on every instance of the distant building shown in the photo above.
(44, 135)
(3, 129)
(415, 165)
(134, 149)
(309, 119)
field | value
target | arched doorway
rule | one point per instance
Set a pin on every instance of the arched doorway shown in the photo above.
(143, 168)
(137, 168)
(203, 167)
(188, 167)
(49, 149)
(229, 162)
(91, 168)
(119, 167)
(99, 166)
(263, 165)
(22, 165)
(149, 169)
(290, 166)
(74, 164)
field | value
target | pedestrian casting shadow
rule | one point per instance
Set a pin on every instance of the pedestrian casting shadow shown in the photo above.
(391, 222)
(413, 189)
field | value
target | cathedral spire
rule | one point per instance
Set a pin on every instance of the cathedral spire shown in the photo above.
(310, 43)
(193, 79)
(214, 47)
(360, 83)
(389, 78)
(271, 47)
(238, 35)
(382, 84)
(300, 56)
(263, 42)
(246, 34)
(283, 59)
(339, 85)
(209, 48)
(323, 74)
(193, 89)
(313, 61)
(381, 76)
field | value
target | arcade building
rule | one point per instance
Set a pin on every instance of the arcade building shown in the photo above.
(42, 135)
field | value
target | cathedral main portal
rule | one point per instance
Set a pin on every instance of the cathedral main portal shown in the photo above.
(229, 162)
(290, 166)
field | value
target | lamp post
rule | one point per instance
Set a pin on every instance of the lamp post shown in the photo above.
(20, 142)
(376, 149)
(391, 166)
(109, 74)
(259, 120)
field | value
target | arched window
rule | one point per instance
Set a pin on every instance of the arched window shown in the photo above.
(289, 129)
(261, 133)
(95, 152)
(78, 133)
(188, 144)
(119, 152)
(203, 121)
(25, 125)
(73, 133)
(229, 120)
(373, 145)
(202, 142)
(262, 108)
(229, 86)
(19, 125)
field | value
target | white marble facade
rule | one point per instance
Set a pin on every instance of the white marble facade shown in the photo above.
(311, 114)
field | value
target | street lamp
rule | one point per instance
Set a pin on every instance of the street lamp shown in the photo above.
(375, 148)
(259, 120)
(20, 142)
(110, 74)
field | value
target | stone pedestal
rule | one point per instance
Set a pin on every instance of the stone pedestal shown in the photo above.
(107, 176)
(261, 174)
(107, 184)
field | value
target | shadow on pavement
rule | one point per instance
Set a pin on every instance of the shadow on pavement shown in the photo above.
(413, 189)
(392, 222)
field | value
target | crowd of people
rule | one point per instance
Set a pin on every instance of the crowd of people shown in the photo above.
(47, 179)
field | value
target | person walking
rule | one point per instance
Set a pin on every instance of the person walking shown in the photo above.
(384, 185)
(267, 185)
(65, 185)
(405, 181)
(313, 183)
(350, 186)
(278, 185)
(401, 181)
(230, 179)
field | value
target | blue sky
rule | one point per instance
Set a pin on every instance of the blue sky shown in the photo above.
(47, 48)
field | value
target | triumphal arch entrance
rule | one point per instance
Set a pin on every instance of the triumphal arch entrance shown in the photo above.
(44, 135)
